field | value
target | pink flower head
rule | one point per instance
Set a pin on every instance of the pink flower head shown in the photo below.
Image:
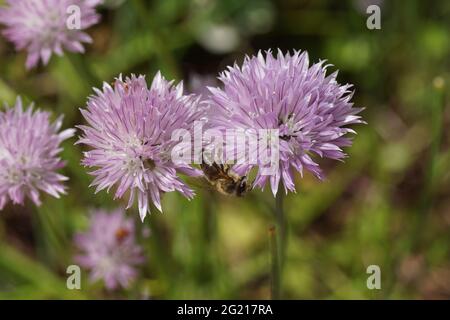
(130, 130)
(109, 249)
(310, 110)
(44, 27)
(29, 148)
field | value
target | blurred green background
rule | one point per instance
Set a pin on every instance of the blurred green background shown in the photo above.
(388, 204)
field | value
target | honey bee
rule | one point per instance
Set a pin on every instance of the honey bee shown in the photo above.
(224, 180)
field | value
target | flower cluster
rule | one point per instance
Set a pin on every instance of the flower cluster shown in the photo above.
(130, 130)
(109, 249)
(310, 110)
(131, 127)
(29, 148)
(44, 27)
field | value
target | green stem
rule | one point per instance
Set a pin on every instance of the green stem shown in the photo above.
(275, 265)
(437, 127)
(281, 224)
(161, 251)
(206, 253)
(278, 238)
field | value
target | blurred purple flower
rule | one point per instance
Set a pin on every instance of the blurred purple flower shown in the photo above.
(129, 130)
(29, 147)
(309, 109)
(109, 249)
(42, 26)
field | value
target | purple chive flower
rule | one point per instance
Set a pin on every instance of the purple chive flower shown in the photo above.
(29, 148)
(109, 249)
(43, 27)
(309, 109)
(129, 130)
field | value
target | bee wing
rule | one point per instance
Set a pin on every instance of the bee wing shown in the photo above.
(200, 183)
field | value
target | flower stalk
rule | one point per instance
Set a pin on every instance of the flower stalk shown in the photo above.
(277, 235)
